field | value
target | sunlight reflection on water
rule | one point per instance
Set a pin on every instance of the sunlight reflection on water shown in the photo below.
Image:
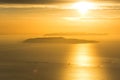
(84, 58)
(84, 55)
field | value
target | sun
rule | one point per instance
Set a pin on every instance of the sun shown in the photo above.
(83, 7)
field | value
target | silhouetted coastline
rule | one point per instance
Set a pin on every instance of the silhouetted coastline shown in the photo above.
(57, 40)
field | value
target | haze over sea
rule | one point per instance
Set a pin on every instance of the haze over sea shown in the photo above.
(92, 61)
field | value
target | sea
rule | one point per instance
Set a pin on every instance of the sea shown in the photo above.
(85, 61)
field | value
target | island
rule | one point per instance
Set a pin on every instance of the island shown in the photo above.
(57, 40)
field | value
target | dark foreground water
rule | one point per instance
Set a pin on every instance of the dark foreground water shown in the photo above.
(99, 61)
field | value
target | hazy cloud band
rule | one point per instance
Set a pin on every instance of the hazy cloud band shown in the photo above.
(47, 1)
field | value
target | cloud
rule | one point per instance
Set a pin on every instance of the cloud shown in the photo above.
(27, 6)
(47, 1)
(54, 4)
(35, 1)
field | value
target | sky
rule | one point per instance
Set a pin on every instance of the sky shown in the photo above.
(50, 16)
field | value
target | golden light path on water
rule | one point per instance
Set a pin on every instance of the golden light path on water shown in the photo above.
(84, 55)
(84, 64)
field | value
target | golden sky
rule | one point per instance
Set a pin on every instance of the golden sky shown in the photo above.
(59, 16)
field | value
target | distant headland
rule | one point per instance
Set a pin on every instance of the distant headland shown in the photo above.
(57, 40)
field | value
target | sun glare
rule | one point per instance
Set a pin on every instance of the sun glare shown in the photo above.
(83, 7)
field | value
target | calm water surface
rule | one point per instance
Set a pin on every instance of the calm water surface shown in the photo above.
(99, 61)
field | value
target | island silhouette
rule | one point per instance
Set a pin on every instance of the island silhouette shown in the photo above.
(57, 40)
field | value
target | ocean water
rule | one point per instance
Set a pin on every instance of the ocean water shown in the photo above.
(93, 61)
